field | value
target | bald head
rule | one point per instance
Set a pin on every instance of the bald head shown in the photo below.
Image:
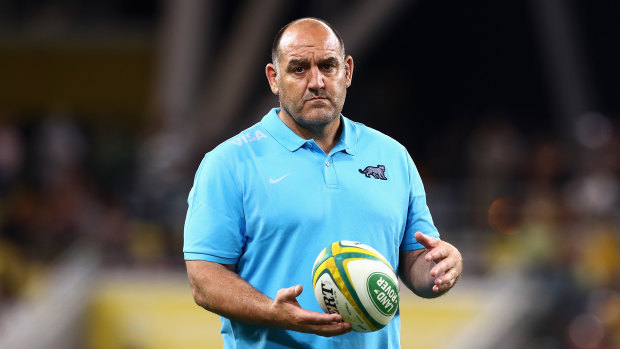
(292, 30)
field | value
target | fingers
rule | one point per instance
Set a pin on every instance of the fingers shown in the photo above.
(323, 324)
(445, 282)
(442, 250)
(439, 269)
(446, 263)
(308, 317)
(333, 329)
(435, 254)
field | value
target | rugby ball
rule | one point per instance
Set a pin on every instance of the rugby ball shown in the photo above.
(356, 281)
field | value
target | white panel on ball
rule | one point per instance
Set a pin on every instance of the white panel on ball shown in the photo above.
(360, 271)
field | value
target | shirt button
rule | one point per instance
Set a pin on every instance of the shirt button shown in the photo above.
(327, 163)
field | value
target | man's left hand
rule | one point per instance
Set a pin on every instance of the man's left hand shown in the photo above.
(449, 262)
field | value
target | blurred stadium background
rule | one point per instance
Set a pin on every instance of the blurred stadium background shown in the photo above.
(509, 108)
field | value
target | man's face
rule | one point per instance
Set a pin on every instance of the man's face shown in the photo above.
(312, 75)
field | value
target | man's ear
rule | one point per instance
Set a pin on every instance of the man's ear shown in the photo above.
(348, 69)
(272, 77)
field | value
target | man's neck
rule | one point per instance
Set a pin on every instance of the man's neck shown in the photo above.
(325, 136)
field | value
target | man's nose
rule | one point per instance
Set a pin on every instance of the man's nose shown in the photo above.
(316, 79)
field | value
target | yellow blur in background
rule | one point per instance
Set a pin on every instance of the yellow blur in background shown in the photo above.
(160, 313)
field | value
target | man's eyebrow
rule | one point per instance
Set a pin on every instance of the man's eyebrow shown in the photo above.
(329, 60)
(295, 62)
(303, 62)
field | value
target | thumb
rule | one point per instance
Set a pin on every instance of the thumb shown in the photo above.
(427, 241)
(288, 294)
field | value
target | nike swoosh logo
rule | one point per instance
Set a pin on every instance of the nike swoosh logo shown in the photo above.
(274, 181)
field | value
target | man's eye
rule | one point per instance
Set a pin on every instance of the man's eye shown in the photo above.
(329, 67)
(298, 70)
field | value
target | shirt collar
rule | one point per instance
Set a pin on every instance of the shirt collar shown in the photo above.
(291, 141)
(348, 138)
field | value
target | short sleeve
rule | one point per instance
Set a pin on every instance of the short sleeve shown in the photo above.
(418, 215)
(214, 224)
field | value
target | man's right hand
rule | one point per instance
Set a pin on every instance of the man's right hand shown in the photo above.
(293, 317)
(211, 284)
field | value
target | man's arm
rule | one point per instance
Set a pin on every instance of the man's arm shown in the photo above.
(432, 271)
(217, 288)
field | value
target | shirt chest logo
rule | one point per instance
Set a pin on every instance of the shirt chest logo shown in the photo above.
(248, 137)
(276, 180)
(377, 172)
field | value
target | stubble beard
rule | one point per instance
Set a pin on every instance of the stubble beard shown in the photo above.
(314, 124)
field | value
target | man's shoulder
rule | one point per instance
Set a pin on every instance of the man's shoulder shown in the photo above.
(243, 143)
(368, 136)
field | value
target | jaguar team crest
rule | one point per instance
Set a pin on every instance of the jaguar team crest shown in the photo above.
(377, 172)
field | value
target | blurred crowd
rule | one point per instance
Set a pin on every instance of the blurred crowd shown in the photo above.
(63, 182)
(547, 205)
(554, 212)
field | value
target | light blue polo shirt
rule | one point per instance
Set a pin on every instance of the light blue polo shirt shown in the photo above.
(269, 201)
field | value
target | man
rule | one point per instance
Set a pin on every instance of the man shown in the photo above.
(266, 202)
